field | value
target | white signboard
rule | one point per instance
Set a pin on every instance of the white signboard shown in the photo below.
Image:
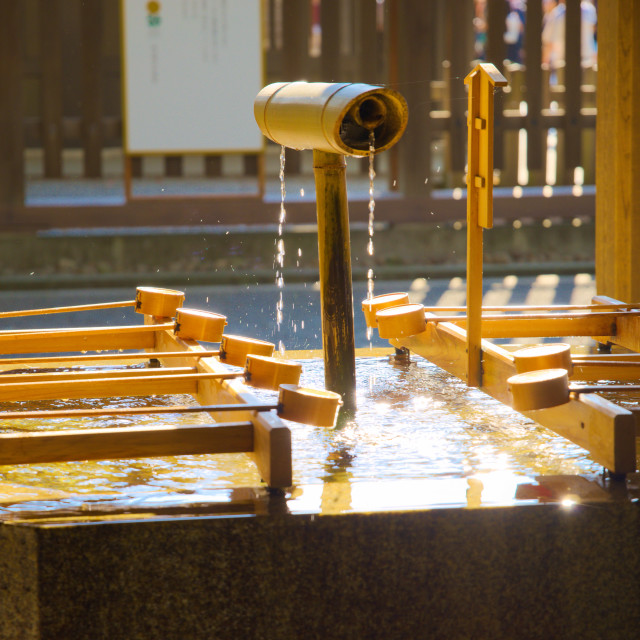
(191, 71)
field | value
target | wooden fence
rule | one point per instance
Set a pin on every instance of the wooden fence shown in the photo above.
(61, 99)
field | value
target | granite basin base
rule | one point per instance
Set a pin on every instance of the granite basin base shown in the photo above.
(530, 571)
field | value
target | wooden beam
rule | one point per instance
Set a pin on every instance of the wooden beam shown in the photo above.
(129, 442)
(627, 329)
(539, 325)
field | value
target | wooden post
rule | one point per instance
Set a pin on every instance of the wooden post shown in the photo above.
(573, 95)
(336, 293)
(413, 24)
(92, 88)
(618, 150)
(330, 21)
(51, 86)
(481, 82)
(459, 25)
(535, 136)
(11, 137)
(295, 56)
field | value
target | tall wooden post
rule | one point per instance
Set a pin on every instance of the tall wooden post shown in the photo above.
(481, 82)
(618, 150)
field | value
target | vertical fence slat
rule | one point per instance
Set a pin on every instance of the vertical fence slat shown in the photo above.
(533, 82)
(330, 23)
(11, 131)
(459, 28)
(51, 85)
(273, 56)
(368, 38)
(496, 53)
(368, 50)
(295, 50)
(295, 38)
(573, 80)
(496, 48)
(213, 166)
(414, 75)
(92, 87)
(173, 166)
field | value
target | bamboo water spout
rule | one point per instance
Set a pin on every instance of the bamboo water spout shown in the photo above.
(335, 120)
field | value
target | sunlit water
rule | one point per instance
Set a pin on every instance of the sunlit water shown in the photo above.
(414, 422)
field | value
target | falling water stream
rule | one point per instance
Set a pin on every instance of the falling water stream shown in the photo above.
(372, 207)
(280, 249)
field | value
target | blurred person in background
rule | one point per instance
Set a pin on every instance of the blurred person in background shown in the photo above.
(514, 33)
(553, 33)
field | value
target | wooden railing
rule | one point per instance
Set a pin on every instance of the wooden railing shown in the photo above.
(61, 102)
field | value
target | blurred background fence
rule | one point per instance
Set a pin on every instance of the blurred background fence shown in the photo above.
(61, 111)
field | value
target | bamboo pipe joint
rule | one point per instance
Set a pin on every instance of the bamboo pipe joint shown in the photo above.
(334, 118)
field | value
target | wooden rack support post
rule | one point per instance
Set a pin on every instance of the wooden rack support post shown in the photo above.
(481, 82)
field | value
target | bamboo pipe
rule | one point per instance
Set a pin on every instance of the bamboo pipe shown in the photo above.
(53, 333)
(84, 339)
(112, 356)
(59, 376)
(336, 291)
(107, 387)
(310, 406)
(148, 300)
(83, 307)
(334, 120)
(133, 411)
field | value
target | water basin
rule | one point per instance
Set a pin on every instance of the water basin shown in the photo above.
(420, 438)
